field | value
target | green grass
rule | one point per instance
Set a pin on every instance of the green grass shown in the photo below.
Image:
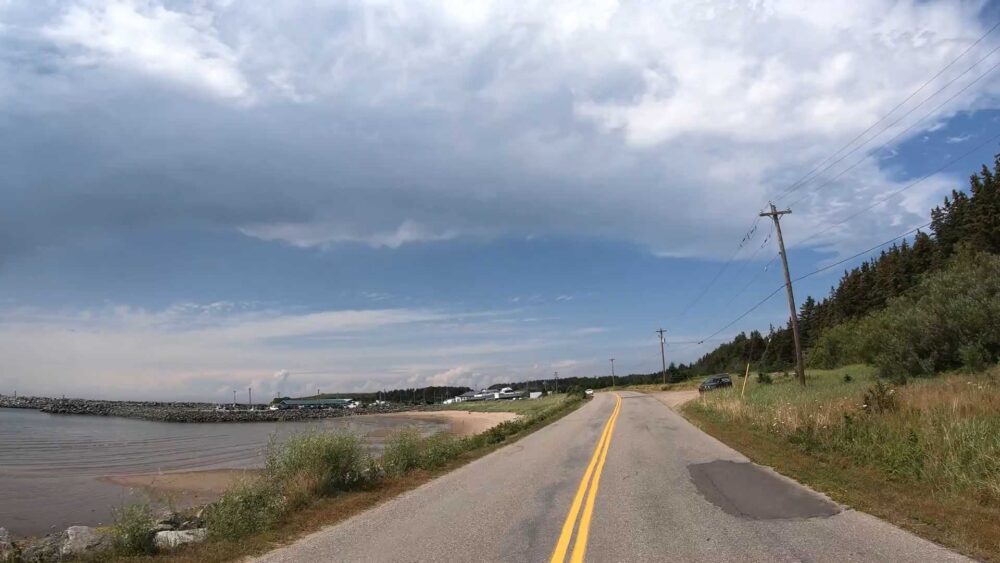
(930, 446)
(132, 531)
(526, 407)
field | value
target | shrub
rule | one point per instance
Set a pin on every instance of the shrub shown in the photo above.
(439, 449)
(764, 378)
(974, 357)
(848, 378)
(245, 509)
(879, 399)
(329, 462)
(132, 530)
(402, 452)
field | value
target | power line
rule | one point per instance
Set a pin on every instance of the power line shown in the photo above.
(804, 276)
(899, 105)
(862, 253)
(901, 133)
(901, 190)
(753, 279)
(816, 169)
(746, 238)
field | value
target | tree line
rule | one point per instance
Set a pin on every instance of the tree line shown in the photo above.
(966, 222)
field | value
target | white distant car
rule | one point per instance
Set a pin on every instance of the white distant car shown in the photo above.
(589, 392)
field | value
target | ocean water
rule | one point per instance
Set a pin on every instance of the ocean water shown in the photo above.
(51, 465)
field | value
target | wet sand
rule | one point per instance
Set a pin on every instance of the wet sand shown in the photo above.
(184, 488)
(189, 488)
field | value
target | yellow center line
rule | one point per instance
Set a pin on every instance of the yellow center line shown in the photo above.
(580, 547)
(559, 555)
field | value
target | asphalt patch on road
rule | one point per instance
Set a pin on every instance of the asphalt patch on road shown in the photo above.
(749, 491)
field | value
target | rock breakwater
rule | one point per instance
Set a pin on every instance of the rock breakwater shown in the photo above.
(184, 411)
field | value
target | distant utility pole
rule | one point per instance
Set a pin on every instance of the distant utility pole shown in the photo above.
(663, 355)
(234, 397)
(557, 381)
(612, 373)
(775, 215)
(250, 396)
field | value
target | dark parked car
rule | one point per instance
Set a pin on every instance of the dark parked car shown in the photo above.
(715, 382)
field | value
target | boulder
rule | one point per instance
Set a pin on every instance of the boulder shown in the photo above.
(84, 540)
(174, 538)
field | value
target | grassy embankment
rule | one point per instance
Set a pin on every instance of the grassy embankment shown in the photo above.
(314, 480)
(925, 455)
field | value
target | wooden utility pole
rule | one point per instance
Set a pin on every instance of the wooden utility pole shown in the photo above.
(775, 215)
(663, 356)
(556, 374)
(612, 373)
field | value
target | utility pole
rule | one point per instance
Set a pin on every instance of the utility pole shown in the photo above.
(663, 355)
(234, 397)
(250, 396)
(775, 215)
(557, 381)
(612, 373)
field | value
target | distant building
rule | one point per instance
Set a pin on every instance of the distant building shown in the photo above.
(316, 404)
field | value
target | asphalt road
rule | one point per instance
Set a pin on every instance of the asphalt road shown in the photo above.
(665, 491)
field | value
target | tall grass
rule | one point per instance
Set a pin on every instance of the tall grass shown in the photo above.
(132, 531)
(309, 466)
(942, 432)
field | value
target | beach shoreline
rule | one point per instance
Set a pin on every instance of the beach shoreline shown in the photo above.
(197, 487)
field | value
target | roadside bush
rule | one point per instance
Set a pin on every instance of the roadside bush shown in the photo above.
(848, 378)
(245, 509)
(764, 378)
(132, 531)
(879, 399)
(439, 449)
(402, 452)
(318, 463)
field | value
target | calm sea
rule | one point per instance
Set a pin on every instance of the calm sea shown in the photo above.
(50, 465)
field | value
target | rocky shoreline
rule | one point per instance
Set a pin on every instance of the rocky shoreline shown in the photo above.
(167, 531)
(184, 411)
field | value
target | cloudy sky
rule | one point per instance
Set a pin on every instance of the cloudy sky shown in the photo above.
(199, 196)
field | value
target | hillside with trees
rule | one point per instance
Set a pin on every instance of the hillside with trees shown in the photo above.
(944, 282)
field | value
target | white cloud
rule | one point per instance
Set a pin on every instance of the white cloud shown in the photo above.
(326, 233)
(957, 139)
(389, 123)
(150, 38)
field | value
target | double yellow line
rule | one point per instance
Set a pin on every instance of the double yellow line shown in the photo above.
(591, 479)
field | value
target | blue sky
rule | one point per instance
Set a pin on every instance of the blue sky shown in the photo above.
(201, 196)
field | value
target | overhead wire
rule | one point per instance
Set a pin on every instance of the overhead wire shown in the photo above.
(901, 133)
(800, 183)
(890, 195)
(718, 274)
(812, 273)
